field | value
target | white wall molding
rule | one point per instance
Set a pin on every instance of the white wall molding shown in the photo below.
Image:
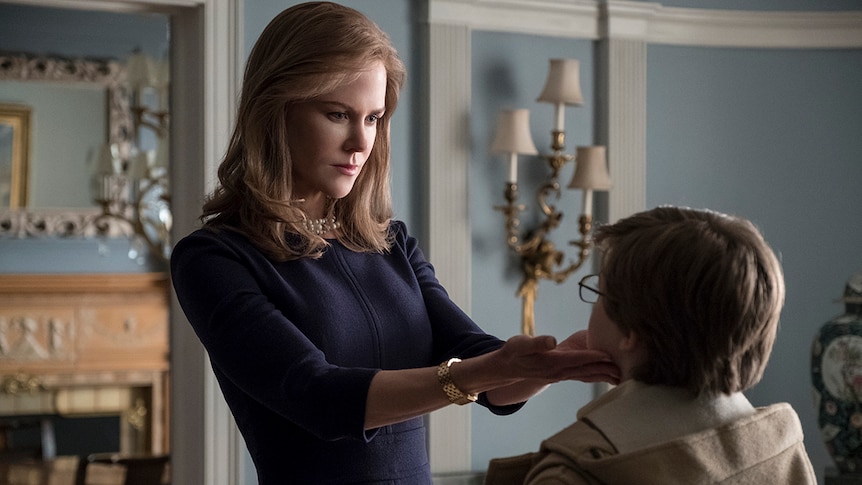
(556, 18)
(448, 217)
(222, 50)
(621, 67)
(118, 6)
(655, 24)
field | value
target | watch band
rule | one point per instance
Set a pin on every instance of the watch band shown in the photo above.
(455, 395)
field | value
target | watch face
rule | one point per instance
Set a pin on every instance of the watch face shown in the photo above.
(842, 368)
(455, 395)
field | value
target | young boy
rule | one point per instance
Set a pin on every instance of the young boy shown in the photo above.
(687, 303)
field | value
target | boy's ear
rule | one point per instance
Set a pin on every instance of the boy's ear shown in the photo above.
(630, 342)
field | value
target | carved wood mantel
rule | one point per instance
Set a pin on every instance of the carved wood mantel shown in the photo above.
(78, 344)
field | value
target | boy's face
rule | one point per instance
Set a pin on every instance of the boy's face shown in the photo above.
(604, 334)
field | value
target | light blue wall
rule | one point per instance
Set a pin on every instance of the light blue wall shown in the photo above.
(772, 135)
(765, 5)
(63, 149)
(74, 255)
(769, 134)
(72, 32)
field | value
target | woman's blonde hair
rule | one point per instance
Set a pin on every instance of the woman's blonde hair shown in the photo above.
(305, 52)
(702, 290)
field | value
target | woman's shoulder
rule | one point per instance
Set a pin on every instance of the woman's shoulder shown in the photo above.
(207, 239)
(209, 235)
(399, 235)
(397, 227)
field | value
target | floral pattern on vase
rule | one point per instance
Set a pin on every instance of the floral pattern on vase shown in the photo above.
(836, 372)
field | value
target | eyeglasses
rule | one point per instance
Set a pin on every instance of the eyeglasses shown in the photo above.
(588, 289)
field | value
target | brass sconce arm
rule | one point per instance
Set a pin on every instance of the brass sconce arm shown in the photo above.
(158, 122)
(539, 257)
(146, 213)
(21, 384)
(133, 178)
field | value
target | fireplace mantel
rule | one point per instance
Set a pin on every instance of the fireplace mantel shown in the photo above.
(88, 344)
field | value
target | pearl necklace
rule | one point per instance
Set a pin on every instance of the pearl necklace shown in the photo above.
(321, 226)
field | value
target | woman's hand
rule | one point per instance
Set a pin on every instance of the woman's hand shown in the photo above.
(532, 363)
(598, 371)
(518, 370)
(542, 358)
(575, 341)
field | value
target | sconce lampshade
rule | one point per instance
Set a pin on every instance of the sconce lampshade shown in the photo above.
(139, 70)
(107, 164)
(161, 73)
(563, 84)
(140, 165)
(513, 133)
(162, 153)
(591, 169)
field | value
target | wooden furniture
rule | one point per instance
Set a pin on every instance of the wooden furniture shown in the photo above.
(93, 470)
(59, 471)
(88, 344)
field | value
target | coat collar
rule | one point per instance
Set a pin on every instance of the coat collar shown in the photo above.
(634, 415)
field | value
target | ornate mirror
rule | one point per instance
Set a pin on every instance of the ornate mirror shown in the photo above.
(79, 137)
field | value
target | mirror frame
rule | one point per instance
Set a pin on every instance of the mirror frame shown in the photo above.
(111, 74)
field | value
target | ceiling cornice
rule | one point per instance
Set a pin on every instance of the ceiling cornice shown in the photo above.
(654, 23)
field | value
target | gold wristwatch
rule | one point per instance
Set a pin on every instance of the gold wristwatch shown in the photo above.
(455, 395)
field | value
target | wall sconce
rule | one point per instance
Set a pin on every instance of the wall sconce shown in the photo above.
(133, 178)
(540, 259)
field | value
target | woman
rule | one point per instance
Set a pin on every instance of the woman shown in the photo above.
(326, 327)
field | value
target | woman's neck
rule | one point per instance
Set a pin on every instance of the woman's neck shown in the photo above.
(314, 206)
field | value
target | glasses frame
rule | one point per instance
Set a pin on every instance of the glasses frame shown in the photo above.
(593, 295)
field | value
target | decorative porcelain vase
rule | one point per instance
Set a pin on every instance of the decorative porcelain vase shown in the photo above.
(836, 373)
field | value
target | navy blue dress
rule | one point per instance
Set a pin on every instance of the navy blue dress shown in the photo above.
(294, 347)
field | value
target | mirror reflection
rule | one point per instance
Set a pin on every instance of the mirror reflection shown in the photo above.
(79, 104)
(95, 86)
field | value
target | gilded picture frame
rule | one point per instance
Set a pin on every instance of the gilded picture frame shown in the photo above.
(14, 155)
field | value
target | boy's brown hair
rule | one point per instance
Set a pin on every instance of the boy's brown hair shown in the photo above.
(702, 290)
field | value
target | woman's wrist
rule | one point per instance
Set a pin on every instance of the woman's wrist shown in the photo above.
(455, 394)
(479, 374)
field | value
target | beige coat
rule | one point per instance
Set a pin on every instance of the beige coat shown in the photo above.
(638, 434)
